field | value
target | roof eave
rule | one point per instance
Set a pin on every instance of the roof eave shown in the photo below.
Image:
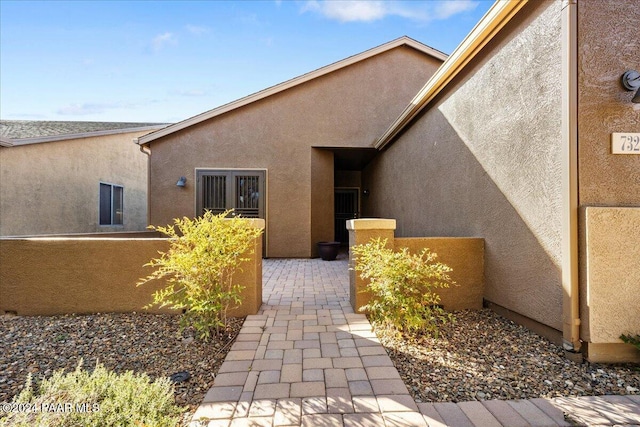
(42, 139)
(491, 23)
(402, 41)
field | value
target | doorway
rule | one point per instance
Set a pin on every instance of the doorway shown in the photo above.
(244, 191)
(347, 206)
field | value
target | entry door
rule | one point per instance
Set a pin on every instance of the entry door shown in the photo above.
(346, 207)
(241, 190)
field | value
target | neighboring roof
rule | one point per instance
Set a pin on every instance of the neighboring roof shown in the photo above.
(491, 23)
(402, 41)
(20, 132)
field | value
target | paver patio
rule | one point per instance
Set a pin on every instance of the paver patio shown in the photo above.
(306, 359)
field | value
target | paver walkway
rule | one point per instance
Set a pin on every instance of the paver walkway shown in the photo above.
(307, 360)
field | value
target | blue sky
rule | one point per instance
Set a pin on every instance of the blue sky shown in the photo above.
(164, 61)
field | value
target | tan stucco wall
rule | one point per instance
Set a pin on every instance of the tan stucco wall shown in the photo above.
(322, 203)
(608, 46)
(349, 107)
(48, 276)
(53, 187)
(610, 291)
(483, 160)
(465, 256)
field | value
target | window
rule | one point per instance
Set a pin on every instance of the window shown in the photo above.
(240, 190)
(111, 204)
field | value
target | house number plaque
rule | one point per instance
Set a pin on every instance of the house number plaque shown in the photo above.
(625, 143)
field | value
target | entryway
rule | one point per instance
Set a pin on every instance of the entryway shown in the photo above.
(347, 206)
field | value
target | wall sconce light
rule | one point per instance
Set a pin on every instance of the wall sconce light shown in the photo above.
(631, 81)
(365, 193)
(182, 181)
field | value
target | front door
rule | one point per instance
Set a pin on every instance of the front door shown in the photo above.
(347, 207)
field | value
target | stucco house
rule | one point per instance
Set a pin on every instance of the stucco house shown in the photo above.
(514, 138)
(72, 177)
(283, 153)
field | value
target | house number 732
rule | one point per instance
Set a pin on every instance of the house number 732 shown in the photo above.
(625, 143)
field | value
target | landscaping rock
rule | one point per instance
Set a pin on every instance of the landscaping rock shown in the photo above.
(483, 356)
(121, 342)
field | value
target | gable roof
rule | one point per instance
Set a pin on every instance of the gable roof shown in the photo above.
(22, 132)
(402, 41)
(489, 26)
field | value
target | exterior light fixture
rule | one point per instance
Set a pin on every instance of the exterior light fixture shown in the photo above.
(631, 81)
(182, 181)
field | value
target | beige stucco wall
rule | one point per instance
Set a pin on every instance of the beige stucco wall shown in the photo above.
(608, 45)
(465, 257)
(610, 289)
(349, 107)
(53, 187)
(483, 160)
(322, 184)
(48, 276)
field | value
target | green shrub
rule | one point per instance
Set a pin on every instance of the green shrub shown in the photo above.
(633, 340)
(98, 398)
(203, 256)
(401, 285)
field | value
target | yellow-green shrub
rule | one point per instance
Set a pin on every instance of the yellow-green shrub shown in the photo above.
(401, 285)
(199, 266)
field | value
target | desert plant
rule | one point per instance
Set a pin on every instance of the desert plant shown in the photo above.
(203, 256)
(633, 340)
(97, 398)
(401, 285)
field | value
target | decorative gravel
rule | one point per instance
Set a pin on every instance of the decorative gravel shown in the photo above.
(483, 356)
(121, 342)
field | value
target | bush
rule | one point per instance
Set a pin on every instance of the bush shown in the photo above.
(629, 339)
(204, 254)
(401, 285)
(99, 398)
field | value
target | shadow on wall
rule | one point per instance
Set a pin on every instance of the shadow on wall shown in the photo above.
(433, 185)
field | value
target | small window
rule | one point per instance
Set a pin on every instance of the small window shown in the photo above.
(111, 204)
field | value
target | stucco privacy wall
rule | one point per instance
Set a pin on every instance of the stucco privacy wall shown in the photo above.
(48, 276)
(484, 160)
(53, 187)
(349, 107)
(464, 255)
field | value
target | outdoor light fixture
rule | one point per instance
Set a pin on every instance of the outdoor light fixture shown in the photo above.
(631, 81)
(182, 181)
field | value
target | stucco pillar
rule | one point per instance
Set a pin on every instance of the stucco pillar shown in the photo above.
(362, 231)
(249, 276)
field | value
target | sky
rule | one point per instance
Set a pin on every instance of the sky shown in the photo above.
(165, 61)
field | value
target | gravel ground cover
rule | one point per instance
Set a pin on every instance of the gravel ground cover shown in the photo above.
(122, 342)
(483, 356)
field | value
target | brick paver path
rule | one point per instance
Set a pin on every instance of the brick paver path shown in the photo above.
(307, 360)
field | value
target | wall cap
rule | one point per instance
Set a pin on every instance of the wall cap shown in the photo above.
(371, 224)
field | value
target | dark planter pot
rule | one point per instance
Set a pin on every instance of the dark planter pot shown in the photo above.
(328, 250)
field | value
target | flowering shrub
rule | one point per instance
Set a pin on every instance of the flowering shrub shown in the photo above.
(401, 285)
